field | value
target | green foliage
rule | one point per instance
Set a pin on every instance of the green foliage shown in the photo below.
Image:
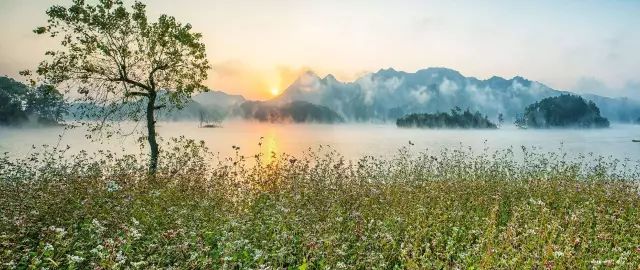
(12, 94)
(562, 111)
(46, 103)
(456, 119)
(318, 211)
(108, 44)
(19, 103)
(119, 61)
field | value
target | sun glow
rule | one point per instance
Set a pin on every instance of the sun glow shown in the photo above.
(275, 91)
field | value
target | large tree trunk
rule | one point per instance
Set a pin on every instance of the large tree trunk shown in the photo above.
(151, 134)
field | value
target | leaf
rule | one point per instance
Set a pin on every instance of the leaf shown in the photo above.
(303, 266)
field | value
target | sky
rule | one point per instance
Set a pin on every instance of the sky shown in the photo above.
(259, 47)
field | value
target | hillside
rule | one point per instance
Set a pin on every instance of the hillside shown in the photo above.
(389, 94)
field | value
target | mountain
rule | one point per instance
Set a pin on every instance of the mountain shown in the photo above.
(389, 94)
(218, 99)
(212, 106)
(296, 111)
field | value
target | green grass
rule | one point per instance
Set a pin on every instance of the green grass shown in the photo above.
(318, 211)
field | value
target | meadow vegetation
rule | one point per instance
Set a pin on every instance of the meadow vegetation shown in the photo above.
(451, 209)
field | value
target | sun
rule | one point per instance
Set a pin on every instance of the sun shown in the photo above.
(275, 91)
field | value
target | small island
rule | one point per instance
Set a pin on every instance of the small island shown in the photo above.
(455, 119)
(564, 111)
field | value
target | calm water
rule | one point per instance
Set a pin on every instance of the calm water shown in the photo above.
(352, 140)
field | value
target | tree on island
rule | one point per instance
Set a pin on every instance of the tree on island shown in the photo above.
(455, 119)
(119, 61)
(20, 104)
(562, 111)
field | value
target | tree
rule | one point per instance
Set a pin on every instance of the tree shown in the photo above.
(11, 101)
(562, 111)
(46, 104)
(455, 119)
(123, 62)
(19, 103)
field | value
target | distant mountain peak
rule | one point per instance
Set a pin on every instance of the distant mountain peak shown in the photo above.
(389, 94)
(329, 78)
(310, 73)
(441, 72)
(389, 69)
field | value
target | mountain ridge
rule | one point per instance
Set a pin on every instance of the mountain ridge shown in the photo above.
(388, 94)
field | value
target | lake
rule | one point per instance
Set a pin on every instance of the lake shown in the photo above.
(351, 140)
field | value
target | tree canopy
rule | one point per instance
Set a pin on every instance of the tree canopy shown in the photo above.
(118, 59)
(456, 119)
(562, 111)
(20, 104)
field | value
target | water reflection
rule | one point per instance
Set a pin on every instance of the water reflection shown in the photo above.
(271, 144)
(351, 140)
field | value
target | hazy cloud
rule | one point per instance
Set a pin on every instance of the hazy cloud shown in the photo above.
(421, 94)
(592, 85)
(448, 87)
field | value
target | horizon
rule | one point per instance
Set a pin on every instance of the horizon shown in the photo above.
(257, 51)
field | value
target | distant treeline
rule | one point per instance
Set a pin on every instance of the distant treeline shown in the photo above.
(562, 111)
(21, 104)
(297, 112)
(456, 119)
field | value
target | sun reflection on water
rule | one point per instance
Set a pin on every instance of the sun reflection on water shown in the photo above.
(270, 148)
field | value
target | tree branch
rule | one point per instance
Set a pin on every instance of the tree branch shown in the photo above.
(129, 81)
(133, 93)
(152, 73)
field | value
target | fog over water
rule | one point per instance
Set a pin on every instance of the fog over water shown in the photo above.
(351, 140)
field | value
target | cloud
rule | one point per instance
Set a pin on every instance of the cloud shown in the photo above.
(421, 95)
(592, 85)
(448, 87)
(309, 82)
(371, 85)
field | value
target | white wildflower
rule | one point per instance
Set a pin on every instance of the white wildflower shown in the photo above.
(257, 254)
(558, 254)
(112, 186)
(75, 259)
(120, 258)
(536, 202)
(97, 226)
(135, 234)
(602, 262)
(59, 231)
(97, 250)
(138, 264)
